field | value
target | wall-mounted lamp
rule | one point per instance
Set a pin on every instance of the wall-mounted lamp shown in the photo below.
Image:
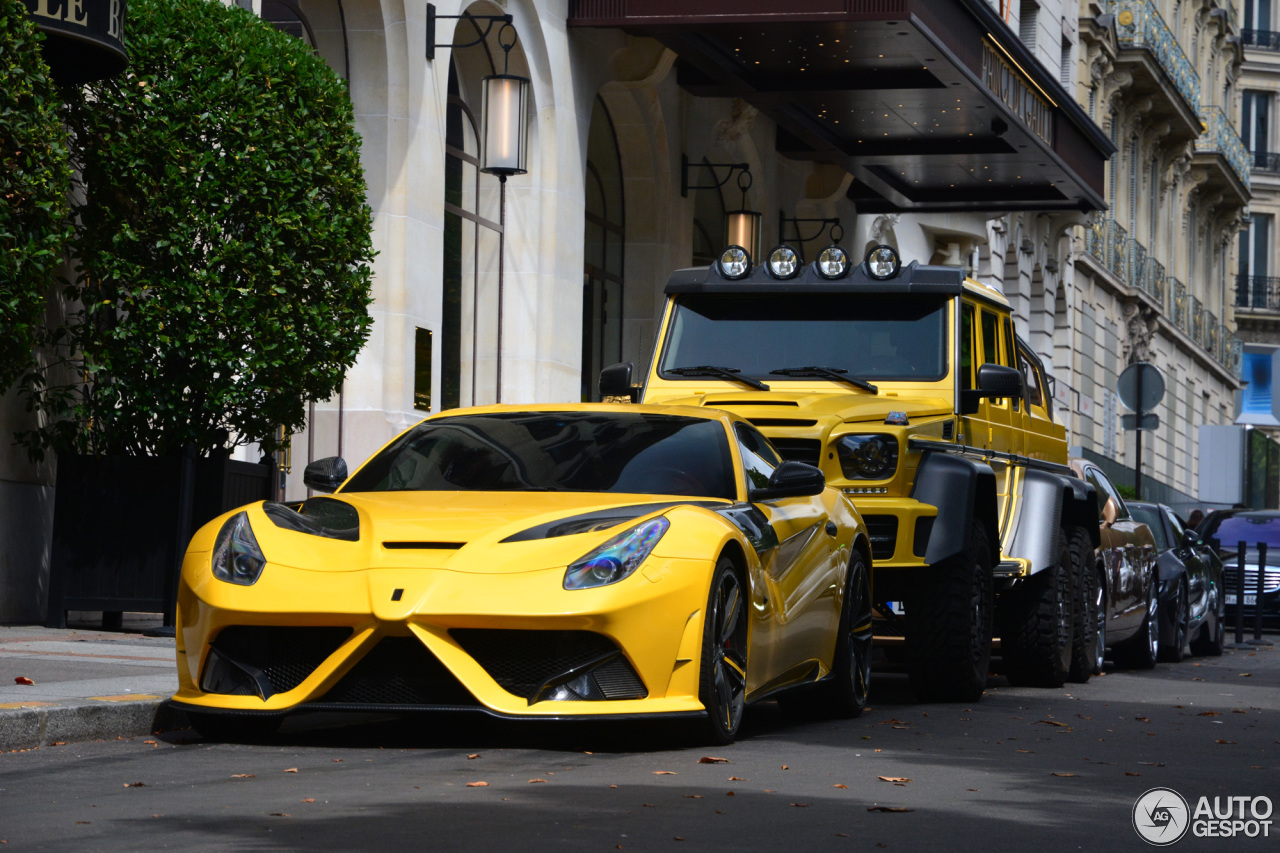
(837, 231)
(685, 166)
(742, 226)
(504, 132)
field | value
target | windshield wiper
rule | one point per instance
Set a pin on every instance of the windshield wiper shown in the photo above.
(730, 373)
(834, 373)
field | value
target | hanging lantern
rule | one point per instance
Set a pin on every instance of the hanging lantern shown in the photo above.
(504, 113)
(742, 226)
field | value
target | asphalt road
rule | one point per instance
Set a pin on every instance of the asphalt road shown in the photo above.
(1024, 769)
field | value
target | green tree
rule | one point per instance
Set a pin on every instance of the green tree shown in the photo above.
(34, 179)
(223, 240)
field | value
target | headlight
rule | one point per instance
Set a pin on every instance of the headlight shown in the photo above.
(784, 262)
(868, 457)
(617, 558)
(882, 262)
(833, 262)
(236, 555)
(734, 263)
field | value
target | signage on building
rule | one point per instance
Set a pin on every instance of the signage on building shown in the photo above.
(1010, 84)
(84, 39)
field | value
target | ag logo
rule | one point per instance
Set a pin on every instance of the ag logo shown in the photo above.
(1161, 816)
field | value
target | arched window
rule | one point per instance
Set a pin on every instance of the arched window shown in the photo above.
(603, 248)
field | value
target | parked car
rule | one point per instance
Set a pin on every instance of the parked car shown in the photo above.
(1191, 594)
(1123, 601)
(1224, 530)
(542, 562)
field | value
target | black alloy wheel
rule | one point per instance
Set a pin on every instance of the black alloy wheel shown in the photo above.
(1143, 650)
(723, 678)
(1179, 619)
(850, 685)
(1212, 637)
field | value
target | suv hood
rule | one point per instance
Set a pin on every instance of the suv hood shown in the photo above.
(806, 405)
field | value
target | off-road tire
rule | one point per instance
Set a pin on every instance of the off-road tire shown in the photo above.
(949, 622)
(1036, 637)
(722, 679)
(1084, 622)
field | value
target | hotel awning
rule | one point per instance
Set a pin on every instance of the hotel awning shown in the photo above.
(931, 105)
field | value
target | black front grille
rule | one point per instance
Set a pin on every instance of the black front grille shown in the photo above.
(399, 671)
(1231, 574)
(883, 530)
(286, 656)
(523, 661)
(807, 450)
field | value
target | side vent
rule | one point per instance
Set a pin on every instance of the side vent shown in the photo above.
(949, 430)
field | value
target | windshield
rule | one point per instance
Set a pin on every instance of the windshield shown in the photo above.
(1227, 532)
(872, 336)
(556, 451)
(1150, 516)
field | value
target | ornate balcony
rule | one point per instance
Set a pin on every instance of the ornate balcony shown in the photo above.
(1197, 320)
(1212, 341)
(1261, 39)
(1180, 305)
(1259, 292)
(1220, 145)
(1139, 25)
(1266, 161)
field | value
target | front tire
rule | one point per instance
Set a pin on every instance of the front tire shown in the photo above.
(949, 622)
(845, 695)
(1212, 638)
(1086, 659)
(1036, 636)
(722, 681)
(1143, 650)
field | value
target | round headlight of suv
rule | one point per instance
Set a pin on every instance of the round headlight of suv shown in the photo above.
(734, 263)
(833, 262)
(882, 262)
(784, 262)
(868, 457)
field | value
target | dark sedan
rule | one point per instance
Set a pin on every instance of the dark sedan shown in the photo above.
(1224, 530)
(1192, 602)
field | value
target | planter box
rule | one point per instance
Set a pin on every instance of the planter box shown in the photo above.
(121, 525)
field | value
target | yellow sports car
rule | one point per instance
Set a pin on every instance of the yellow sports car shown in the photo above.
(549, 562)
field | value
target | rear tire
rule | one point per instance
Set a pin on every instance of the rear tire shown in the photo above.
(1143, 650)
(949, 622)
(1036, 634)
(1085, 659)
(1180, 614)
(1212, 638)
(722, 680)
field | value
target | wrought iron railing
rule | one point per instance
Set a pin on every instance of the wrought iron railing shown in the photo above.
(1157, 282)
(1236, 364)
(1266, 161)
(1139, 24)
(1264, 39)
(1220, 136)
(1197, 320)
(1178, 304)
(1211, 340)
(1260, 292)
(1120, 251)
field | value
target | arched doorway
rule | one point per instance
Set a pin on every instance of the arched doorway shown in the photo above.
(603, 246)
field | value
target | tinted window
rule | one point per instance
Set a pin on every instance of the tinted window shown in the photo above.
(759, 459)
(990, 338)
(966, 348)
(556, 451)
(1150, 516)
(1229, 531)
(872, 336)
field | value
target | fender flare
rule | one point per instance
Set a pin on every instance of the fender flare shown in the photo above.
(962, 490)
(1048, 502)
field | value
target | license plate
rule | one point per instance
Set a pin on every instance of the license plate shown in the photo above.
(1248, 599)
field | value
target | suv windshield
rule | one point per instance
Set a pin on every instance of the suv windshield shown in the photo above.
(556, 451)
(871, 336)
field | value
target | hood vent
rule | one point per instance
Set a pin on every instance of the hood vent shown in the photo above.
(423, 546)
(718, 404)
(780, 422)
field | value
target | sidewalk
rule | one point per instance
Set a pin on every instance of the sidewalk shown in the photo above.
(87, 683)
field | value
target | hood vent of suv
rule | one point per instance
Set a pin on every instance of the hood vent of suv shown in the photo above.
(719, 404)
(780, 422)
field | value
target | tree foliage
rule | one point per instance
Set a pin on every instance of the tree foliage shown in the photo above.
(223, 240)
(34, 179)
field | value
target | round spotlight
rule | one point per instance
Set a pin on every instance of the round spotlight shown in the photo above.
(734, 263)
(882, 262)
(833, 262)
(784, 262)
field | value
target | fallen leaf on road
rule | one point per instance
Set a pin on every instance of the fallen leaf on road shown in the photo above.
(1143, 719)
(738, 779)
(846, 787)
(336, 760)
(801, 805)
(1054, 723)
(677, 838)
(1220, 740)
(153, 743)
(665, 773)
(280, 814)
(729, 793)
(893, 778)
(473, 755)
(1152, 763)
(1131, 773)
(531, 781)
(711, 759)
(477, 784)
(291, 770)
(1062, 774)
(770, 791)
(693, 796)
(84, 821)
(613, 786)
(894, 809)
(648, 805)
(243, 776)
(1242, 675)
(785, 767)
(135, 785)
(1209, 714)
(842, 835)
(22, 679)
(309, 800)
(1026, 750)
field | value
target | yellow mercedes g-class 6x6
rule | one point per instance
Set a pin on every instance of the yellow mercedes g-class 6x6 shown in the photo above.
(908, 387)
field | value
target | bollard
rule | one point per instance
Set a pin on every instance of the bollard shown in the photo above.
(1240, 596)
(1257, 604)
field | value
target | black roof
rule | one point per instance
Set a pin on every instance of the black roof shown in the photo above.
(913, 278)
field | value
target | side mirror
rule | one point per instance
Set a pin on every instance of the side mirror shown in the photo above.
(615, 381)
(1110, 512)
(1191, 539)
(325, 475)
(791, 480)
(995, 381)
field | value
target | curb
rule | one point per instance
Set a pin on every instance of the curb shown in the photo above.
(32, 727)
